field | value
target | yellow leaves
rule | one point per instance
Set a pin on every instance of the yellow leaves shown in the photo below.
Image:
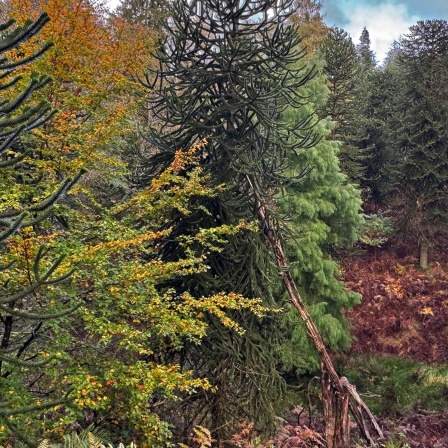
(202, 437)
(427, 311)
(89, 392)
(219, 304)
(120, 245)
(93, 64)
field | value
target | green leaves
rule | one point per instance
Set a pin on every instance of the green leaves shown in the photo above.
(135, 308)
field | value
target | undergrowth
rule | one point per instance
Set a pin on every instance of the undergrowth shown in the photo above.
(393, 387)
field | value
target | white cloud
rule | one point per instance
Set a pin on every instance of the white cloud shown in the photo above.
(385, 23)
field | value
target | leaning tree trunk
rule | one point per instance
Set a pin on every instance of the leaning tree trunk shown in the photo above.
(335, 406)
(336, 392)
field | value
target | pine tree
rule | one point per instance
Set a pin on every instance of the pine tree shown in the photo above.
(24, 310)
(421, 147)
(323, 215)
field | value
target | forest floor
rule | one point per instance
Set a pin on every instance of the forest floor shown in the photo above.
(398, 360)
(399, 357)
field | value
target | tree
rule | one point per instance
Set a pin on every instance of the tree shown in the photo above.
(226, 74)
(376, 94)
(364, 52)
(134, 325)
(30, 301)
(421, 149)
(148, 12)
(228, 84)
(310, 25)
(341, 68)
(323, 215)
(94, 64)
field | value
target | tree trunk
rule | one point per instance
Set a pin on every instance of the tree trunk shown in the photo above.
(424, 246)
(336, 391)
(335, 406)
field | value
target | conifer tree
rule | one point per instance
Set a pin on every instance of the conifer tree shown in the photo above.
(323, 214)
(228, 72)
(364, 52)
(341, 68)
(376, 92)
(421, 144)
(225, 76)
(25, 267)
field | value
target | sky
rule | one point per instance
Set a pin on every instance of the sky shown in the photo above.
(386, 20)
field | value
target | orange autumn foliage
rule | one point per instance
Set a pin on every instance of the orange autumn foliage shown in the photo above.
(311, 27)
(94, 64)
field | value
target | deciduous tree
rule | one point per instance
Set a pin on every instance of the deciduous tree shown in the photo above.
(31, 302)
(94, 64)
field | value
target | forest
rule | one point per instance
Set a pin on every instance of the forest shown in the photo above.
(222, 224)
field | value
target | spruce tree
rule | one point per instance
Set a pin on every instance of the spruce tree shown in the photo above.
(24, 309)
(364, 52)
(376, 93)
(341, 69)
(421, 148)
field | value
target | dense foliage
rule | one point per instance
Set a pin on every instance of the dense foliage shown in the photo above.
(140, 152)
(421, 142)
(32, 267)
(230, 73)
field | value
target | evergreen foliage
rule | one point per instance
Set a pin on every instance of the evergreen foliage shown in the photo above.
(376, 96)
(341, 69)
(225, 76)
(323, 214)
(229, 72)
(421, 151)
(25, 269)
(364, 52)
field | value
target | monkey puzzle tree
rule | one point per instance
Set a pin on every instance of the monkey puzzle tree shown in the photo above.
(29, 297)
(227, 75)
